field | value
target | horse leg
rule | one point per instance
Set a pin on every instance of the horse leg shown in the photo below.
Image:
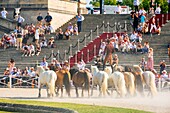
(100, 91)
(82, 92)
(92, 89)
(61, 91)
(108, 92)
(76, 91)
(48, 92)
(57, 93)
(39, 95)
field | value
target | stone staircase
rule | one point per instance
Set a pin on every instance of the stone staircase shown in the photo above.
(91, 21)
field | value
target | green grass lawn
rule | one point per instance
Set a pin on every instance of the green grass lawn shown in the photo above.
(78, 107)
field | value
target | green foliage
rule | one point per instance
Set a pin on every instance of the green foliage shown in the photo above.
(145, 4)
(96, 4)
(163, 4)
(128, 3)
(109, 2)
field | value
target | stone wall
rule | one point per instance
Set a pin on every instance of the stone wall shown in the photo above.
(61, 11)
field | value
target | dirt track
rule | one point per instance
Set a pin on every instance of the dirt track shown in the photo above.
(158, 104)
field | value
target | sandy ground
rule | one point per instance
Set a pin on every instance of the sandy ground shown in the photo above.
(158, 104)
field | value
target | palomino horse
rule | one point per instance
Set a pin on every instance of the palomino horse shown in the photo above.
(99, 78)
(63, 77)
(80, 78)
(129, 79)
(47, 78)
(116, 79)
(147, 78)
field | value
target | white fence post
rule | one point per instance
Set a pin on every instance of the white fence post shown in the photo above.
(65, 55)
(76, 58)
(108, 27)
(85, 45)
(71, 50)
(125, 26)
(52, 52)
(88, 56)
(103, 26)
(10, 81)
(82, 55)
(97, 31)
(163, 20)
(94, 51)
(78, 48)
(58, 57)
(91, 36)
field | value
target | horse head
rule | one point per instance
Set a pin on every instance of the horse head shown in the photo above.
(108, 70)
(94, 69)
(39, 70)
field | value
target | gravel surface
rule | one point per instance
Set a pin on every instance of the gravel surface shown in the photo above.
(158, 104)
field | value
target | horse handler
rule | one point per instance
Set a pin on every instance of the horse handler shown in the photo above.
(109, 49)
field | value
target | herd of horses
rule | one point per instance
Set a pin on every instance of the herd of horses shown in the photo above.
(125, 80)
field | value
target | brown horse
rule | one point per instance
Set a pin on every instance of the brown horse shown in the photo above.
(138, 78)
(81, 79)
(63, 78)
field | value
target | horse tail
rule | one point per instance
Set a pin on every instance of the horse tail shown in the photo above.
(131, 84)
(66, 81)
(139, 84)
(121, 85)
(153, 85)
(104, 83)
(87, 81)
(52, 83)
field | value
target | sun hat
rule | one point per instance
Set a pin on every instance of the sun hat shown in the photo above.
(164, 71)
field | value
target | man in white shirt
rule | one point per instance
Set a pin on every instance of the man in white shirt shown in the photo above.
(4, 13)
(81, 65)
(136, 4)
(20, 20)
(142, 11)
(158, 10)
(118, 9)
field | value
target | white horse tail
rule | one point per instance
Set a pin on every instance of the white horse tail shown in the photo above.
(153, 85)
(121, 85)
(104, 83)
(52, 83)
(131, 84)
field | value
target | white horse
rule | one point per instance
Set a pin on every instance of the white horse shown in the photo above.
(130, 83)
(47, 78)
(116, 79)
(148, 79)
(99, 78)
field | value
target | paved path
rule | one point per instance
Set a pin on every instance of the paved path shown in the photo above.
(158, 104)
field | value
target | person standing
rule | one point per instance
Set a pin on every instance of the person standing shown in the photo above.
(39, 19)
(118, 9)
(44, 63)
(37, 33)
(109, 49)
(150, 62)
(143, 64)
(169, 50)
(4, 13)
(115, 59)
(162, 66)
(136, 5)
(79, 19)
(168, 6)
(20, 20)
(48, 19)
(153, 24)
(19, 37)
(11, 64)
(136, 21)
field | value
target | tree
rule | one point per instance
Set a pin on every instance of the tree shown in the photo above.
(163, 4)
(145, 4)
(110, 2)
